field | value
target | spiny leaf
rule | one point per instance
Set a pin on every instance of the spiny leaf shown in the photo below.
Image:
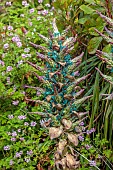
(79, 101)
(108, 20)
(109, 40)
(107, 78)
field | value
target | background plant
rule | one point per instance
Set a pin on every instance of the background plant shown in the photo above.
(23, 141)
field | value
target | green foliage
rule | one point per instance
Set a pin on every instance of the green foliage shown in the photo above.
(18, 22)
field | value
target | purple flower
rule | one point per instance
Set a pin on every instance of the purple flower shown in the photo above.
(19, 44)
(8, 80)
(10, 116)
(11, 162)
(26, 123)
(92, 163)
(81, 124)
(17, 155)
(24, 3)
(20, 62)
(29, 152)
(81, 138)
(40, 1)
(10, 34)
(14, 133)
(15, 103)
(6, 148)
(52, 9)
(33, 123)
(88, 146)
(22, 139)
(39, 18)
(2, 63)
(19, 130)
(26, 55)
(9, 68)
(38, 93)
(22, 117)
(27, 159)
(31, 10)
(39, 12)
(16, 39)
(90, 131)
(10, 28)
(76, 73)
(13, 139)
(6, 46)
(27, 50)
(45, 12)
(8, 3)
(21, 152)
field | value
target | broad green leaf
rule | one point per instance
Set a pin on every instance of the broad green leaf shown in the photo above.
(86, 9)
(107, 48)
(82, 20)
(90, 1)
(100, 27)
(94, 44)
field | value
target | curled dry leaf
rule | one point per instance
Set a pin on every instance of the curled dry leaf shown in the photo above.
(63, 160)
(67, 123)
(70, 160)
(57, 156)
(61, 146)
(55, 132)
(73, 138)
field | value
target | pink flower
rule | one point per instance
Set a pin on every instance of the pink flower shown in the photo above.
(8, 3)
(21, 139)
(9, 68)
(40, 1)
(15, 103)
(19, 44)
(2, 63)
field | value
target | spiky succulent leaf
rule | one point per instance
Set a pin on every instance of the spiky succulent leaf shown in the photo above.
(61, 90)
